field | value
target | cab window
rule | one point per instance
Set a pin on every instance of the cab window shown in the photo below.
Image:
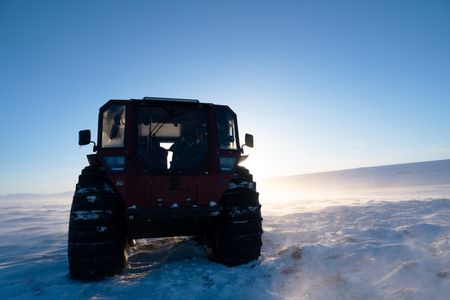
(113, 126)
(226, 129)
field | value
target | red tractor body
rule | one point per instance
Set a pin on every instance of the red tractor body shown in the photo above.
(169, 165)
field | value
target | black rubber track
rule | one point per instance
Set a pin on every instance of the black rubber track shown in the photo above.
(238, 236)
(96, 241)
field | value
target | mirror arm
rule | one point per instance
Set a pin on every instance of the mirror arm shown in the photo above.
(242, 148)
(94, 148)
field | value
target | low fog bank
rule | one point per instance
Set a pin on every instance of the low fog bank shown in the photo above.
(66, 196)
(413, 181)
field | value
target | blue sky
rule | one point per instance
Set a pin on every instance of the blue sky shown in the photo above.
(322, 85)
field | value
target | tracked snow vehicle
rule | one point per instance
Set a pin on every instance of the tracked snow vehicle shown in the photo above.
(163, 167)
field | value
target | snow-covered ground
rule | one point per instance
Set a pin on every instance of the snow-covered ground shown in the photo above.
(373, 243)
(365, 250)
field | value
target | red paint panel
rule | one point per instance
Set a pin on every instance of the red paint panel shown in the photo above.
(211, 187)
(167, 190)
(138, 190)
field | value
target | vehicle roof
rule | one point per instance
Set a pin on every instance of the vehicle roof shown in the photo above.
(160, 100)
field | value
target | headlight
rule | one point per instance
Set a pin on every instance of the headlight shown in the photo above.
(115, 163)
(227, 163)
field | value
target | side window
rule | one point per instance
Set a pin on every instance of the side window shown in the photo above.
(226, 129)
(113, 127)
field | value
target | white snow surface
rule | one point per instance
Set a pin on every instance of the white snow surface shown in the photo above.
(385, 243)
(371, 250)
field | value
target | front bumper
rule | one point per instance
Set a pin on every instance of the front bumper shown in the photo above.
(176, 221)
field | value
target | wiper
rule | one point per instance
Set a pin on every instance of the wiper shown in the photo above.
(170, 113)
(159, 125)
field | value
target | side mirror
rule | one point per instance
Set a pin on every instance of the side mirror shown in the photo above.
(249, 140)
(84, 137)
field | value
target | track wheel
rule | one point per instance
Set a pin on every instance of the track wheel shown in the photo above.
(238, 236)
(97, 245)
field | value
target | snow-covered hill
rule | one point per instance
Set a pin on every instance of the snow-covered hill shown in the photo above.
(410, 174)
(422, 180)
(393, 246)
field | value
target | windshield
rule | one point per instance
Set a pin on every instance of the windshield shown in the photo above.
(172, 138)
